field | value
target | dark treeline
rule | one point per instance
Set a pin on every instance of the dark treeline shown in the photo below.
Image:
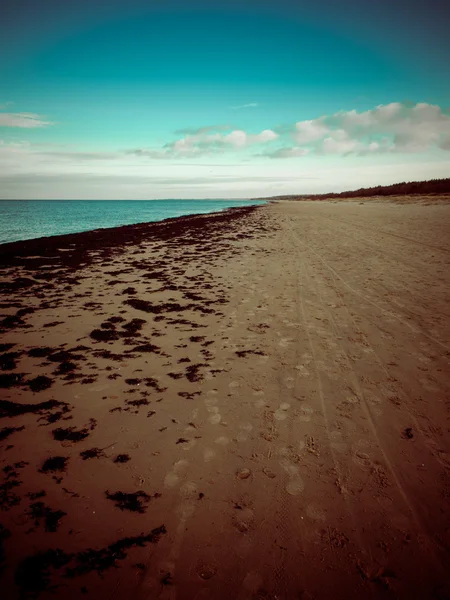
(433, 186)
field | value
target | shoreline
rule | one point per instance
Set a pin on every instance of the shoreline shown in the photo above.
(101, 237)
(245, 404)
(187, 215)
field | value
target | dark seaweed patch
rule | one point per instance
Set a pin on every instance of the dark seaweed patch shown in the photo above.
(8, 499)
(92, 453)
(243, 353)
(134, 502)
(115, 319)
(134, 325)
(104, 335)
(19, 283)
(53, 324)
(8, 361)
(6, 347)
(156, 309)
(11, 321)
(53, 464)
(40, 352)
(70, 434)
(122, 458)
(147, 348)
(192, 372)
(36, 495)
(7, 431)
(101, 560)
(65, 367)
(175, 375)
(110, 355)
(14, 409)
(141, 402)
(42, 382)
(151, 382)
(4, 535)
(38, 511)
(188, 395)
(8, 380)
(32, 575)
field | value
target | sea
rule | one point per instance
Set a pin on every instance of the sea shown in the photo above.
(29, 219)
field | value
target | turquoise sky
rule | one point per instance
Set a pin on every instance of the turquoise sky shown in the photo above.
(139, 99)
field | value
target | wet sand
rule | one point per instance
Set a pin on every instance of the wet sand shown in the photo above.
(247, 405)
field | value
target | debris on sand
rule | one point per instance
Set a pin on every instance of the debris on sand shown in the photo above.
(134, 502)
(92, 453)
(70, 434)
(33, 575)
(38, 511)
(4, 535)
(7, 431)
(15, 409)
(122, 458)
(42, 382)
(243, 474)
(53, 464)
(407, 434)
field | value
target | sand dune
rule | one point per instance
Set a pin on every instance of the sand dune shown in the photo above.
(245, 405)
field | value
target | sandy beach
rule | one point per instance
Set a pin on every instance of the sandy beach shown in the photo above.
(243, 405)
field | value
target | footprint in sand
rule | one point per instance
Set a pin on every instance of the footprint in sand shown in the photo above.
(295, 486)
(281, 413)
(269, 473)
(243, 519)
(302, 370)
(208, 454)
(315, 513)
(222, 440)
(305, 413)
(179, 469)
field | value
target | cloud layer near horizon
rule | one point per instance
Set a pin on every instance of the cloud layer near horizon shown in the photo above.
(390, 128)
(317, 150)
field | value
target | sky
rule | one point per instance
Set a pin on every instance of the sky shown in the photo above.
(140, 99)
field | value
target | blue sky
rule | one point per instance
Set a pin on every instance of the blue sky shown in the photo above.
(151, 100)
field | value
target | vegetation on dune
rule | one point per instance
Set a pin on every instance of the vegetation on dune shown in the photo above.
(410, 188)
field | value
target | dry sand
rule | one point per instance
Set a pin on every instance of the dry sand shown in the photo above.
(277, 380)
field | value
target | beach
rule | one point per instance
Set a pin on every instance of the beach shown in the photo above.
(251, 404)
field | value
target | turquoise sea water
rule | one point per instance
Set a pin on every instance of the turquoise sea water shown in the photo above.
(28, 219)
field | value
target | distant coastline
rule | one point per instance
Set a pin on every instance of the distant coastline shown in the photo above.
(411, 188)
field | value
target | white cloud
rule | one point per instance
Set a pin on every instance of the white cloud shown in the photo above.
(249, 105)
(394, 127)
(203, 143)
(26, 120)
(286, 152)
(200, 130)
(310, 131)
